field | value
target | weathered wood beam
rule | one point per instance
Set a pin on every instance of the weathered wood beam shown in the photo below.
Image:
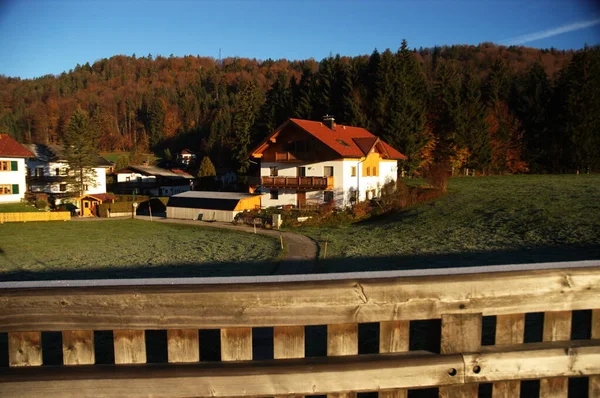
(293, 303)
(533, 361)
(311, 376)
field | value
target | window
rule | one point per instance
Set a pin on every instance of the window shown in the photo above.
(57, 171)
(368, 171)
(127, 179)
(273, 171)
(353, 171)
(39, 171)
(62, 187)
(274, 194)
(328, 171)
(9, 165)
(374, 170)
(344, 143)
(301, 171)
(9, 189)
(328, 196)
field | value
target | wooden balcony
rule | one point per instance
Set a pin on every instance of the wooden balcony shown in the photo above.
(304, 183)
(291, 156)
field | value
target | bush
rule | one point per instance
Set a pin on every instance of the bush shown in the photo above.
(437, 176)
(41, 203)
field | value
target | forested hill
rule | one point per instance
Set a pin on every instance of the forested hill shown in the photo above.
(493, 108)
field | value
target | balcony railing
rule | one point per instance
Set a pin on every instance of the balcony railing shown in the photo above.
(291, 156)
(298, 182)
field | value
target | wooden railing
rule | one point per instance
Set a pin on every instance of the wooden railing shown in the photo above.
(35, 216)
(291, 156)
(458, 298)
(298, 182)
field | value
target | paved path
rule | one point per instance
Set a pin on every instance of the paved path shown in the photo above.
(301, 251)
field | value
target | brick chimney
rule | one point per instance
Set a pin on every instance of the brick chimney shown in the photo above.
(329, 121)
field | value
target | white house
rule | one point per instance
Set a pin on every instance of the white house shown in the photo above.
(48, 172)
(12, 169)
(186, 157)
(307, 162)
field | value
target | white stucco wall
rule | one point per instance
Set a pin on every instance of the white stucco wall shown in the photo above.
(49, 168)
(14, 177)
(343, 181)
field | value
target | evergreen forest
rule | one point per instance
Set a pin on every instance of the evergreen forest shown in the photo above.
(489, 108)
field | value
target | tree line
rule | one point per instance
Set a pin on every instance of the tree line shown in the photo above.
(493, 109)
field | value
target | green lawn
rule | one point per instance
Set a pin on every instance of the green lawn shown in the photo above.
(483, 220)
(130, 249)
(16, 208)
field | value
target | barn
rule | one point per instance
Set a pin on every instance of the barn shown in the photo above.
(210, 206)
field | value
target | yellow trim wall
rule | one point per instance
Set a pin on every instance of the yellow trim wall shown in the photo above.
(370, 162)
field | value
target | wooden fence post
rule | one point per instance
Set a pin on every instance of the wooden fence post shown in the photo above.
(557, 327)
(288, 342)
(25, 349)
(236, 344)
(183, 345)
(130, 346)
(394, 336)
(78, 347)
(342, 340)
(510, 329)
(594, 385)
(460, 333)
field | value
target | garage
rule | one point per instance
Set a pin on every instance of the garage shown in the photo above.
(211, 206)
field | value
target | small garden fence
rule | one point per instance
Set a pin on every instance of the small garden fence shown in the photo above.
(462, 302)
(35, 216)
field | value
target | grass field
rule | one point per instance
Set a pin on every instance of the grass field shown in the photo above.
(484, 220)
(17, 208)
(129, 249)
(113, 156)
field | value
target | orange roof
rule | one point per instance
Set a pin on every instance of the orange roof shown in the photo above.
(347, 141)
(11, 148)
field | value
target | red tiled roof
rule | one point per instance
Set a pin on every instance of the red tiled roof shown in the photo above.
(11, 148)
(347, 141)
(101, 196)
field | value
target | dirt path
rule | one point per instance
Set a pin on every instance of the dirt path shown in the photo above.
(301, 251)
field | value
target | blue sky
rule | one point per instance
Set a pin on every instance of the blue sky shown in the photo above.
(49, 37)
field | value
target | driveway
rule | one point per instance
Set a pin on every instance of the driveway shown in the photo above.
(301, 251)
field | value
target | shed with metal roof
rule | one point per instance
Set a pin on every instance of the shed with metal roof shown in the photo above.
(210, 206)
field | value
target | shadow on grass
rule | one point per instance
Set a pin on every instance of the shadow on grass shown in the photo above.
(348, 264)
(539, 254)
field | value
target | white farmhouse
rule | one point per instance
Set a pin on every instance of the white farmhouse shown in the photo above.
(306, 162)
(48, 172)
(12, 169)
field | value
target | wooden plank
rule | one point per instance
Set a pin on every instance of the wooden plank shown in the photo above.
(236, 344)
(288, 342)
(78, 347)
(130, 346)
(594, 381)
(394, 336)
(306, 376)
(460, 333)
(183, 345)
(557, 327)
(342, 340)
(534, 361)
(510, 329)
(25, 349)
(293, 303)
